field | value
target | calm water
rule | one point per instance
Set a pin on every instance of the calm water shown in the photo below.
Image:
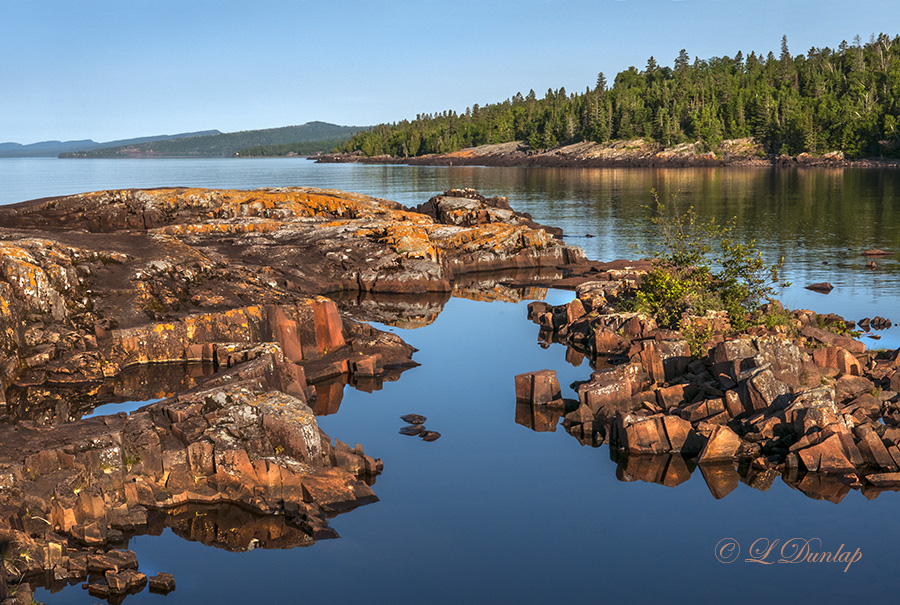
(494, 511)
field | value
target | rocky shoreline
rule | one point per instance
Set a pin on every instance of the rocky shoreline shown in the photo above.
(211, 300)
(211, 306)
(799, 400)
(637, 153)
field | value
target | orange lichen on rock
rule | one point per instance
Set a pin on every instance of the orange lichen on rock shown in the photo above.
(495, 237)
(256, 226)
(409, 241)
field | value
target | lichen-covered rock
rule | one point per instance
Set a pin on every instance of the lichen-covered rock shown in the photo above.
(258, 450)
(804, 402)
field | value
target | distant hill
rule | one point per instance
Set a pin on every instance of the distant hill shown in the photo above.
(325, 136)
(55, 148)
(292, 149)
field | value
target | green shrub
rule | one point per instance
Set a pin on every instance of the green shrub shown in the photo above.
(700, 265)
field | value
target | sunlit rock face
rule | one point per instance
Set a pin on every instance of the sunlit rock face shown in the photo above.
(801, 400)
(212, 300)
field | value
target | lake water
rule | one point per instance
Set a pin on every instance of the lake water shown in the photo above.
(494, 511)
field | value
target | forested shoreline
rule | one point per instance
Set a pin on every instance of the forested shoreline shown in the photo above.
(845, 99)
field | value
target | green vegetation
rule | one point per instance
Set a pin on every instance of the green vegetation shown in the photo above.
(846, 99)
(286, 149)
(321, 135)
(700, 266)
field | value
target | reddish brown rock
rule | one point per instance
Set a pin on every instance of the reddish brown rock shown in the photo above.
(761, 389)
(873, 449)
(648, 356)
(681, 436)
(162, 582)
(884, 479)
(642, 434)
(723, 444)
(826, 457)
(607, 341)
(539, 387)
(611, 390)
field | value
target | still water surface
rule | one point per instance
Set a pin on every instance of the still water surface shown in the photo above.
(494, 511)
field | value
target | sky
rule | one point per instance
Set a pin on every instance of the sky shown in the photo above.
(112, 69)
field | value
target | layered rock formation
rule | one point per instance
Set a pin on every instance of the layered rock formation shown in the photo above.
(211, 301)
(796, 400)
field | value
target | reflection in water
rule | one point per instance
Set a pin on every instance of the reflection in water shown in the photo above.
(230, 527)
(223, 526)
(819, 220)
(407, 311)
(539, 418)
(722, 479)
(672, 470)
(60, 403)
(411, 311)
(330, 392)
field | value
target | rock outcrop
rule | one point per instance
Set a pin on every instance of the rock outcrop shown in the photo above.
(211, 300)
(797, 400)
(250, 457)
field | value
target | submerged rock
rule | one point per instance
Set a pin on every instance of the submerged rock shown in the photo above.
(823, 287)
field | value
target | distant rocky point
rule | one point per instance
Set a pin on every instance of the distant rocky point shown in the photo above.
(631, 153)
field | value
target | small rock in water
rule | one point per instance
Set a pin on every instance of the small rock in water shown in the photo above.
(880, 323)
(823, 287)
(162, 582)
(413, 419)
(871, 265)
(589, 235)
(874, 336)
(412, 430)
(430, 436)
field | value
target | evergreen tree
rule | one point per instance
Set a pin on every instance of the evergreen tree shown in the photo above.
(846, 99)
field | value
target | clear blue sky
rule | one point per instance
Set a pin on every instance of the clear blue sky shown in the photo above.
(109, 69)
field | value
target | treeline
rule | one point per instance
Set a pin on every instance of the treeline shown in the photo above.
(286, 149)
(845, 99)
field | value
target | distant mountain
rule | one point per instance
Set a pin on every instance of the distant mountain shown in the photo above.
(55, 148)
(228, 144)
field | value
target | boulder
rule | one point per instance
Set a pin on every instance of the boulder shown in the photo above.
(722, 445)
(162, 583)
(826, 457)
(541, 387)
(637, 434)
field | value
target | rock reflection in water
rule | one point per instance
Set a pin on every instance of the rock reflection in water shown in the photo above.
(59, 403)
(407, 311)
(539, 418)
(411, 311)
(230, 528)
(672, 470)
(723, 478)
(330, 392)
(666, 470)
(506, 286)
